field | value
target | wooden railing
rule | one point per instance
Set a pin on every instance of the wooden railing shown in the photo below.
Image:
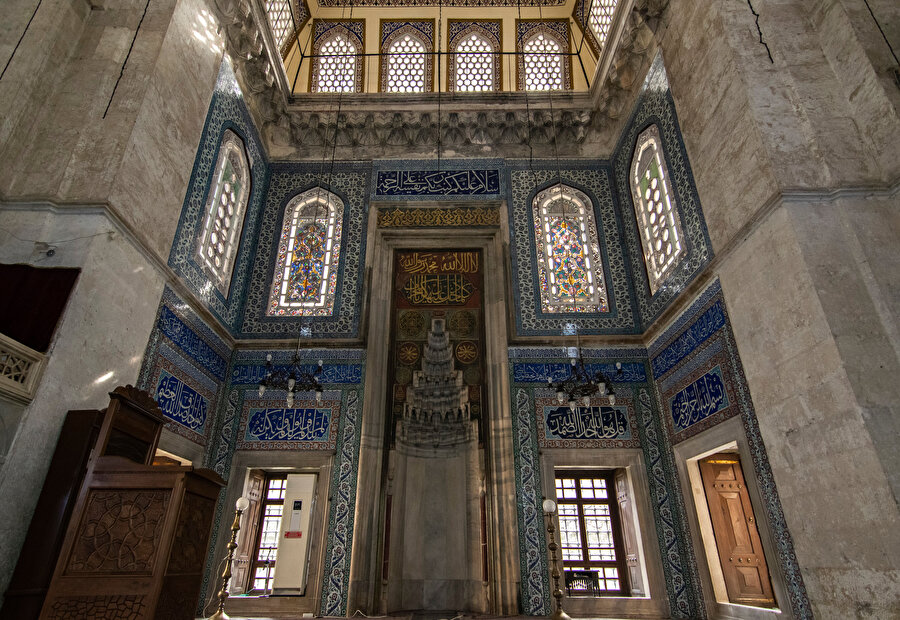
(20, 370)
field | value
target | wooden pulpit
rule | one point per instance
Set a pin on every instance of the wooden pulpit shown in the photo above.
(136, 543)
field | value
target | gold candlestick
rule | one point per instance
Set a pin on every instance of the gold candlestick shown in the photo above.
(549, 510)
(240, 507)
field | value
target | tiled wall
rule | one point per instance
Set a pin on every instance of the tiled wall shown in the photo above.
(700, 379)
(185, 368)
(633, 422)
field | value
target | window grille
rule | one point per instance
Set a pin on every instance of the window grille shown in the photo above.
(543, 63)
(590, 534)
(406, 66)
(654, 205)
(474, 64)
(568, 252)
(336, 66)
(600, 19)
(263, 569)
(280, 21)
(308, 256)
(225, 209)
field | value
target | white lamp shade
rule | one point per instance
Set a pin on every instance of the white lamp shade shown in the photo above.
(242, 504)
(549, 506)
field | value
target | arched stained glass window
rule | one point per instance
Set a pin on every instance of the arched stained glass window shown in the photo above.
(474, 64)
(225, 207)
(543, 63)
(600, 19)
(568, 252)
(308, 256)
(406, 66)
(654, 206)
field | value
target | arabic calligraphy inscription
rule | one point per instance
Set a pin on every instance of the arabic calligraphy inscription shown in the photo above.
(699, 400)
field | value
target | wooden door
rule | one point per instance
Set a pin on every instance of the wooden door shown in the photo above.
(737, 537)
(243, 556)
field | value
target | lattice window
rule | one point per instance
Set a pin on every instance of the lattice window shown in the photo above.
(281, 21)
(225, 209)
(568, 252)
(337, 64)
(590, 533)
(263, 568)
(600, 19)
(308, 256)
(406, 66)
(474, 64)
(654, 206)
(543, 63)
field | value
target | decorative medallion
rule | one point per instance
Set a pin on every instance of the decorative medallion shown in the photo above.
(466, 352)
(462, 324)
(472, 375)
(399, 393)
(412, 324)
(403, 375)
(408, 353)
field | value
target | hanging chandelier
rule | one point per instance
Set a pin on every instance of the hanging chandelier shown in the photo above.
(293, 379)
(581, 385)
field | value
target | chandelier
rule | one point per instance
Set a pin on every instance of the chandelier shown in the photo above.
(581, 385)
(293, 379)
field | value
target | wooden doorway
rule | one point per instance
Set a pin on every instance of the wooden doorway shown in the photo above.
(736, 533)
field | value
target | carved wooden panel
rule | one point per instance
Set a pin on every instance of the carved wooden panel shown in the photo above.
(127, 607)
(119, 531)
(189, 548)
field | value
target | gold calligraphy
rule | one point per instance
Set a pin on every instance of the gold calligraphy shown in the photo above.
(408, 353)
(438, 217)
(443, 262)
(438, 289)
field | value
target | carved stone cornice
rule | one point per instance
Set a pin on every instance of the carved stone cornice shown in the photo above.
(370, 125)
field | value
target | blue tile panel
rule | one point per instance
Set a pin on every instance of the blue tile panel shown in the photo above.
(590, 423)
(420, 183)
(701, 379)
(180, 402)
(424, 27)
(288, 424)
(656, 107)
(227, 110)
(699, 400)
(192, 344)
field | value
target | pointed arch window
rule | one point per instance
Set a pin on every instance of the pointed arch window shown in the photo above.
(406, 65)
(225, 208)
(543, 63)
(568, 252)
(337, 56)
(654, 205)
(281, 21)
(474, 64)
(308, 256)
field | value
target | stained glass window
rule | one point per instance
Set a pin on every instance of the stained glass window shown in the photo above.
(225, 209)
(543, 63)
(474, 64)
(654, 206)
(308, 256)
(406, 66)
(600, 19)
(280, 20)
(568, 253)
(336, 65)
